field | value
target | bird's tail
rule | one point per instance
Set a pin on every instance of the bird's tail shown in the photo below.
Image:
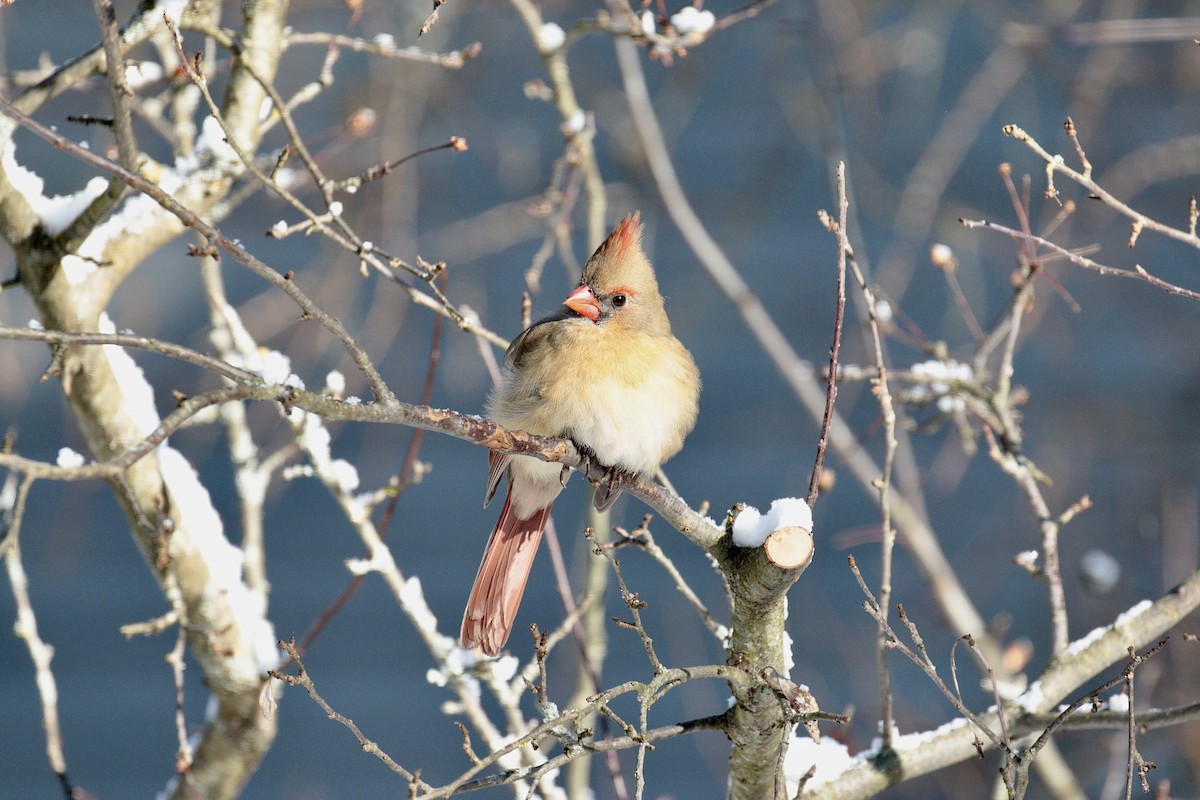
(500, 582)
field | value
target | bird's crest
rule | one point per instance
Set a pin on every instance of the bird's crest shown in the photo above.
(627, 234)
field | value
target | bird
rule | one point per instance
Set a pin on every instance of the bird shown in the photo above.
(604, 371)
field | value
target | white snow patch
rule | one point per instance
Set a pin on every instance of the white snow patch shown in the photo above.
(212, 139)
(690, 19)
(139, 396)
(576, 122)
(550, 37)
(274, 366)
(934, 378)
(831, 758)
(1027, 558)
(315, 438)
(139, 74)
(345, 474)
(1079, 645)
(505, 667)
(951, 404)
(68, 458)
(1133, 613)
(224, 561)
(286, 177)
(173, 8)
(1119, 702)
(1033, 698)
(649, 26)
(57, 212)
(410, 592)
(752, 527)
(76, 269)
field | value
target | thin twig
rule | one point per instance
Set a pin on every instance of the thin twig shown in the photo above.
(12, 512)
(883, 395)
(644, 541)
(184, 754)
(302, 679)
(843, 246)
(632, 602)
(169, 349)
(403, 476)
(1057, 164)
(455, 59)
(190, 219)
(920, 655)
(1137, 273)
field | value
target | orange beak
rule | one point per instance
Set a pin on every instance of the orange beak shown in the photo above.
(583, 302)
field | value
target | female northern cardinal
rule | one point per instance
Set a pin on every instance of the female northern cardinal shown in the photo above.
(604, 371)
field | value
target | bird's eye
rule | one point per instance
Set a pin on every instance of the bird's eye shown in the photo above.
(619, 300)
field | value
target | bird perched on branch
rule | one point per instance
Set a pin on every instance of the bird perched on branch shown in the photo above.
(604, 371)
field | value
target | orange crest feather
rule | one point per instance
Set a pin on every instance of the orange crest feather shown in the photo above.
(627, 234)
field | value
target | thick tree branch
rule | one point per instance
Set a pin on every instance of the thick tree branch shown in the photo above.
(922, 753)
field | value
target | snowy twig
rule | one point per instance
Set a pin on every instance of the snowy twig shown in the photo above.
(385, 47)
(649, 692)
(551, 43)
(331, 223)
(239, 253)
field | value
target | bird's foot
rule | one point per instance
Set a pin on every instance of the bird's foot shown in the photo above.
(609, 487)
(587, 457)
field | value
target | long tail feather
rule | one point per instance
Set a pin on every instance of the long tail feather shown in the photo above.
(500, 582)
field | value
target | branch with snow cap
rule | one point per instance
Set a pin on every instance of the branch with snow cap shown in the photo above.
(784, 532)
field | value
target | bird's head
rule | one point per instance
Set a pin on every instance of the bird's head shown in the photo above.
(618, 286)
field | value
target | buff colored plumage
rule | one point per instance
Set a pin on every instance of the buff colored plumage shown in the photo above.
(604, 371)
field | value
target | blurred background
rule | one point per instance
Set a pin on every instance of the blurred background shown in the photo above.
(912, 96)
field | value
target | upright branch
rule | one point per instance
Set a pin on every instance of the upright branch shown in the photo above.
(843, 247)
(883, 395)
(160, 494)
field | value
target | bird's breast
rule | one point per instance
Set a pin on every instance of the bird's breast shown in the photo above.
(631, 399)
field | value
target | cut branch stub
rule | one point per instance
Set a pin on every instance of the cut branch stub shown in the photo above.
(790, 547)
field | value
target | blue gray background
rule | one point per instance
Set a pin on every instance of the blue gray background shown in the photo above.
(754, 119)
